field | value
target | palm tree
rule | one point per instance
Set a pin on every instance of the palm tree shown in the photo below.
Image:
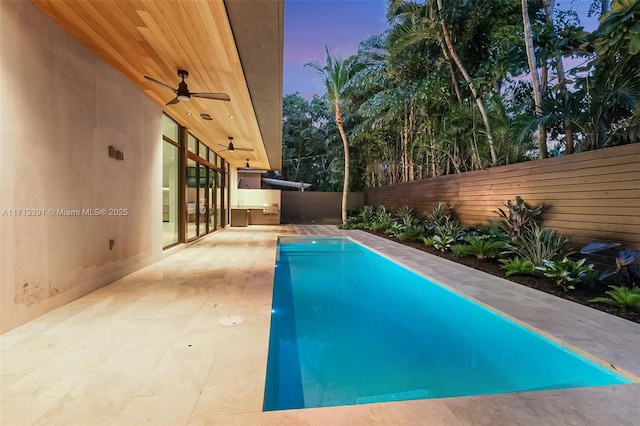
(423, 28)
(335, 74)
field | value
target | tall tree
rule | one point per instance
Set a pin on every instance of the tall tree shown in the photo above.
(335, 74)
(423, 27)
(467, 77)
(535, 79)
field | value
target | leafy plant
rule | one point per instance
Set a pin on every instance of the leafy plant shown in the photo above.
(518, 216)
(459, 249)
(428, 241)
(394, 230)
(447, 234)
(482, 248)
(382, 220)
(493, 232)
(568, 272)
(442, 243)
(440, 214)
(538, 244)
(366, 216)
(517, 266)
(411, 233)
(406, 216)
(624, 297)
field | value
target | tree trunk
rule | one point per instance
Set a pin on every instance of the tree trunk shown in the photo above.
(474, 92)
(535, 78)
(567, 125)
(345, 185)
(404, 140)
(410, 169)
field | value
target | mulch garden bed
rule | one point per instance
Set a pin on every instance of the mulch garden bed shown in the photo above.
(582, 294)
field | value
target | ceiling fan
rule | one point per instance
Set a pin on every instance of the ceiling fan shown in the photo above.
(232, 148)
(183, 94)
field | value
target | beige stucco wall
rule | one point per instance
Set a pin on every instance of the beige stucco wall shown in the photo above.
(61, 108)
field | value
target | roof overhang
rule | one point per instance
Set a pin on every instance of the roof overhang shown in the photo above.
(232, 46)
(286, 183)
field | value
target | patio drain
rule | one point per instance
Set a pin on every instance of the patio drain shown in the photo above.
(231, 320)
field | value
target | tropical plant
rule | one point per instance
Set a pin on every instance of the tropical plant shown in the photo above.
(407, 216)
(411, 233)
(538, 244)
(440, 214)
(394, 230)
(568, 272)
(517, 266)
(624, 297)
(366, 216)
(335, 74)
(446, 235)
(518, 216)
(493, 232)
(382, 220)
(481, 248)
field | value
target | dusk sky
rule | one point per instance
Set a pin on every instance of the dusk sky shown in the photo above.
(309, 24)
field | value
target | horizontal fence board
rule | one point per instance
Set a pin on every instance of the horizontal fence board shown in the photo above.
(587, 195)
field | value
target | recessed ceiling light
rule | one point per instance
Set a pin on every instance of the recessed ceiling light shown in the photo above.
(205, 116)
(189, 113)
(231, 116)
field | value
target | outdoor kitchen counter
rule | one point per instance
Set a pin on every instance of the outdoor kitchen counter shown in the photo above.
(253, 215)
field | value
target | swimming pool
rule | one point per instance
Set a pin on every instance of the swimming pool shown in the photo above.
(349, 326)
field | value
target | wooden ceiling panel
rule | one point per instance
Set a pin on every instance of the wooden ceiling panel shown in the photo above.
(158, 37)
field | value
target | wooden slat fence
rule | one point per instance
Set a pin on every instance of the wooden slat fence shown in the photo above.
(588, 196)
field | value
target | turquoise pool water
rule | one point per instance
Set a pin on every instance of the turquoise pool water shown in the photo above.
(349, 326)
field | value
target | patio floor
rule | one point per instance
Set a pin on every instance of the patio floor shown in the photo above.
(149, 348)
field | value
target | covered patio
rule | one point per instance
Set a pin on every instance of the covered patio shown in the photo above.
(151, 347)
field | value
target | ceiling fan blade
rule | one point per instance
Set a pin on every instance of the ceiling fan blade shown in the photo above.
(173, 101)
(161, 83)
(243, 149)
(217, 96)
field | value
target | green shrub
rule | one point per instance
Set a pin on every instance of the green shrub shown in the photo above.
(366, 216)
(459, 249)
(406, 216)
(568, 272)
(411, 233)
(482, 248)
(394, 229)
(447, 234)
(624, 297)
(443, 243)
(517, 266)
(518, 216)
(440, 214)
(538, 244)
(428, 241)
(382, 220)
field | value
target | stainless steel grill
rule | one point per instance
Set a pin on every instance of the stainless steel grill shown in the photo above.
(271, 209)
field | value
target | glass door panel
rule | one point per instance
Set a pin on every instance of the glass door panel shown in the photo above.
(202, 200)
(192, 199)
(169, 194)
(212, 190)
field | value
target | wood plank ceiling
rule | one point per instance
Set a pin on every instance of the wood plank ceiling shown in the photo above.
(156, 38)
